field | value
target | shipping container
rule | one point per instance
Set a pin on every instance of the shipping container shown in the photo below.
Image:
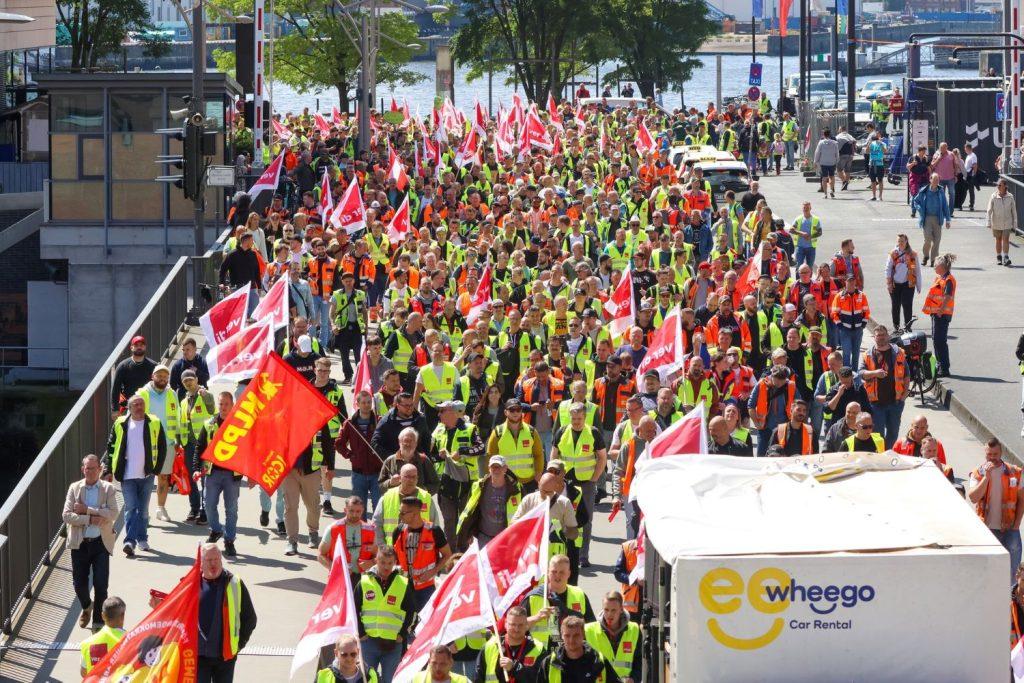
(921, 94)
(968, 115)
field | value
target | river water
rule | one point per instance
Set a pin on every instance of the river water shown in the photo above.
(698, 91)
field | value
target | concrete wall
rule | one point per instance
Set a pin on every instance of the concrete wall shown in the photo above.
(40, 33)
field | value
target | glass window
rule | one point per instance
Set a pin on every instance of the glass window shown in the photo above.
(138, 113)
(137, 201)
(133, 156)
(92, 157)
(77, 112)
(77, 201)
(64, 160)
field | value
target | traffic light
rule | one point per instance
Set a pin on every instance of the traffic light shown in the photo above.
(192, 160)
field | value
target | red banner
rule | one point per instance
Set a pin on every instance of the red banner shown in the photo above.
(163, 647)
(272, 422)
(516, 558)
(350, 213)
(334, 616)
(400, 225)
(275, 304)
(226, 317)
(665, 352)
(240, 355)
(620, 306)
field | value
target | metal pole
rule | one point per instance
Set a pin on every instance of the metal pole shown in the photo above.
(272, 20)
(597, 79)
(198, 106)
(803, 68)
(490, 80)
(364, 86)
(835, 48)
(851, 61)
(257, 85)
(753, 37)
(782, 77)
(718, 82)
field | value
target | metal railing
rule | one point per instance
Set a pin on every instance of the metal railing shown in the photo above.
(18, 176)
(31, 518)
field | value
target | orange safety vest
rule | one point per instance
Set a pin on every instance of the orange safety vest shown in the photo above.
(366, 267)
(367, 540)
(1011, 481)
(555, 395)
(839, 268)
(936, 303)
(761, 409)
(425, 559)
(782, 435)
(321, 276)
(625, 391)
(910, 258)
(627, 478)
(850, 309)
(630, 592)
(899, 373)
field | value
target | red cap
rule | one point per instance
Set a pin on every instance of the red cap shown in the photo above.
(138, 339)
(703, 265)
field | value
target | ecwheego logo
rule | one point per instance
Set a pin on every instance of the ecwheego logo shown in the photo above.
(770, 591)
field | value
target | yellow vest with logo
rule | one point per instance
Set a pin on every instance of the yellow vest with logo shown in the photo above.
(382, 614)
(402, 354)
(95, 647)
(438, 390)
(327, 676)
(687, 397)
(492, 652)
(578, 454)
(517, 451)
(378, 250)
(391, 504)
(575, 599)
(622, 658)
(564, 417)
(193, 407)
(177, 431)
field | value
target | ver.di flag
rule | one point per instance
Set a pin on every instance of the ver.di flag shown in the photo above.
(334, 616)
(269, 426)
(275, 304)
(665, 352)
(350, 213)
(269, 179)
(239, 356)
(226, 317)
(400, 225)
(516, 558)
(163, 647)
(620, 306)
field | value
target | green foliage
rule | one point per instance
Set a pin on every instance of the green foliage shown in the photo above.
(96, 28)
(155, 46)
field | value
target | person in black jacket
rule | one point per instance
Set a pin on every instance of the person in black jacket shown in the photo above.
(574, 659)
(242, 267)
(130, 374)
(190, 360)
(722, 441)
(384, 441)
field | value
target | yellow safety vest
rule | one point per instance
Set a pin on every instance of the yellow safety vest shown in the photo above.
(461, 438)
(233, 596)
(424, 677)
(341, 303)
(95, 647)
(176, 430)
(438, 390)
(196, 412)
(579, 456)
(119, 437)
(492, 652)
(402, 354)
(622, 658)
(687, 397)
(327, 676)
(875, 436)
(518, 450)
(378, 251)
(382, 614)
(391, 507)
(564, 417)
(575, 599)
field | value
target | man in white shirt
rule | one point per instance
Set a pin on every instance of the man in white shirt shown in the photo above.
(971, 172)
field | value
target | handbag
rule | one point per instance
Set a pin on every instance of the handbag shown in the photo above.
(181, 479)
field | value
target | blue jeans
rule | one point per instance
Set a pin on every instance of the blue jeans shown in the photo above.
(940, 333)
(379, 286)
(136, 494)
(278, 508)
(790, 152)
(193, 494)
(366, 487)
(849, 339)
(218, 482)
(950, 186)
(374, 655)
(805, 255)
(1011, 541)
(887, 421)
(545, 442)
(321, 317)
(764, 438)
(817, 417)
(254, 300)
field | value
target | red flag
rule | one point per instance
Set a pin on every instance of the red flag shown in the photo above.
(620, 306)
(397, 171)
(272, 422)
(459, 607)
(326, 200)
(321, 124)
(535, 134)
(685, 437)
(280, 130)
(644, 140)
(226, 317)
(163, 647)
(362, 380)
(268, 181)
(400, 225)
(556, 147)
(517, 557)
(239, 356)
(467, 151)
(747, 281)
(335, 116)
(482, 297)
(274, 305)
(394, 105)
(602, 140)
(784, 6)
(553, 114)
(480, 119)
(665, 351)
(350, 213)
(334, 616)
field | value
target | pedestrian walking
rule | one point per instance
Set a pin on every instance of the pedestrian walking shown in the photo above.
(130, 374)
(903, 280)
(384, 602)
(826, 157)
(939, 304)
(1002, 220)
(934, 210)
(219, 482)
(995, 489)
(883, 370)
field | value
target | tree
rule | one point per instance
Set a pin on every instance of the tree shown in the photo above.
(316, 53)
(532, 35)
(98, 27)
(655, 40)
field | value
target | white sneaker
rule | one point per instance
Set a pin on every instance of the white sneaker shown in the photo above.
(1022, 432)
(161, 514)
(144, 545)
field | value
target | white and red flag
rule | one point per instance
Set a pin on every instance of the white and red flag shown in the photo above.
(240, 355)
(479, 118)
(226, 317)
(280, 130)
(396, 170)
(481, 298)
(637, 574)
(553, 115)
(645, 143)
(516, 559)
(362, 380)
(751, 273)
(334, 616)
(274, 306)
(269, 179)
(350, 213)
(335, 116)
(321, 124)
(684, 437)
(535, 134)
(665, 351)
(467, 151)
(326, 200)
(620, 306)
(400, 225)
(394, 105)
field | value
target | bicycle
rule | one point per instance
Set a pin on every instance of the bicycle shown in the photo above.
(921, 369)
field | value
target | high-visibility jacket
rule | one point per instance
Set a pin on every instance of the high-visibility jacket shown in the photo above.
(619, 255)
(95, 647)
(196, 409)
(424, 561)
(807, 433)
(798, 224)
(382, 614)
(438, 390)
(564, 417)
(118, 445)
(454, 327)
(527, 343)
(628, 649)
(839, 270)
(630, 592)
(578, 453)
(626, 481)
(823, 352)
(367, 540)
(379, 250)
(451, 440)
(518, 450)
(556, 391)
(910, 259)
(361, 267)
(575, 601)
(391, 507)
(830, 379)
(850, 309)
(403, 353)
(175, 428)
(231, 618)
(1010, 481)
(495, 649)
(688, 397)
(321, 276)
(626, 389)
(936, 302)
(876, 438)
(342, 300)
(789, 130)
(554, 672)
(898, 371)
(424, 677)
(327, 676)
(473, 502)
(764, 387)
(727, 142)
(879, 110)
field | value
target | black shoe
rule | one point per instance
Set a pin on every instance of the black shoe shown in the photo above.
(1007, 261)
(346, 381)
(846, 185)
(214, 537)
(999, 259)
(192, 516)
(201, 519)
(280, 529)
(129, 550)
(584, 563)
(327, 508)
(229, 549)
(832, 194)
(924, 261)
(264, 517)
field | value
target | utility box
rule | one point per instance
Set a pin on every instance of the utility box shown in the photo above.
(968, 116)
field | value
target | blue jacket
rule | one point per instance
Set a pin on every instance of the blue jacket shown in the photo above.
(930, 203)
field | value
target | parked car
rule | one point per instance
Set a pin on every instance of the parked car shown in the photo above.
(876, 88)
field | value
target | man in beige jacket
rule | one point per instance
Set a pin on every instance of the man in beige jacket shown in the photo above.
(1002, 220)
(89, 512)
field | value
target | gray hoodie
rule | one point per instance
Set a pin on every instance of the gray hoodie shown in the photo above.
(826, 153)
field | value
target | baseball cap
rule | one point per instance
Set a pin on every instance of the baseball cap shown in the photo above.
(815, 330)
(779, 371)
(704, 265)
(497, 460)
(138, 339)
(555, 466)
(652, 374)
(590, 313)
(161, 368)
(513, 404)
(189, 374)
(789, 308)
(305, 344)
